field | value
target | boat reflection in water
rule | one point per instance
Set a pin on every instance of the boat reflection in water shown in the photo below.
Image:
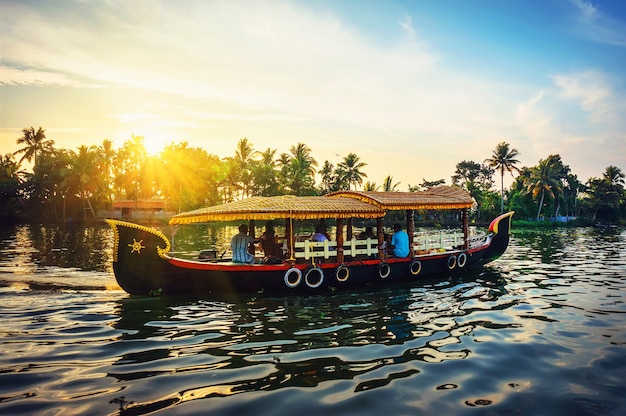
(270, 343)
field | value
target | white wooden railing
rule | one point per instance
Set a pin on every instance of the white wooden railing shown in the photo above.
(313, 249)
(422, 242)
(435, 240)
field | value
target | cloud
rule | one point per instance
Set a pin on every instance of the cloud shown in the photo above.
(286, 71)
(319, 78)
(593, 24)
(588, 12)
(407, 25)
(134, 117)
(39, 77)
(265, 55)
(525, 109)
(591, 91)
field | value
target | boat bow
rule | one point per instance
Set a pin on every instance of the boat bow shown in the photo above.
(139, 254)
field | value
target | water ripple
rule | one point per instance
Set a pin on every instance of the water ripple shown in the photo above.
(538, 332)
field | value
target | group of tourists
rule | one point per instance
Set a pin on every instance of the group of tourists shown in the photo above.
(243, 245)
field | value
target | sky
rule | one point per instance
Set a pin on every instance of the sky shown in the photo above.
(411, 87)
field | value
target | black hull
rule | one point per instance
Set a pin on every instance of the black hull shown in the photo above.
(143, 267)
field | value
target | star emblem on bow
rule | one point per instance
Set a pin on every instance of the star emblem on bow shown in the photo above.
(136, 246)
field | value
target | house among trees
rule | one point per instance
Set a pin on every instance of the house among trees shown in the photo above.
(140, 209)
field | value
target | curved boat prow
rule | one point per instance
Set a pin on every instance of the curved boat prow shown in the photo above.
(500, 228)
(139, 255)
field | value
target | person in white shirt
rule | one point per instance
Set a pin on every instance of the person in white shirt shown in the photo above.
(240, 244)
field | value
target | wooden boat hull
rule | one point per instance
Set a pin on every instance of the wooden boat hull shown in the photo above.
(142, 266)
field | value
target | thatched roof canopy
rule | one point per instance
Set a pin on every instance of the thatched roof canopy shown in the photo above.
(341, 204)
(287, 206)
(441, 197)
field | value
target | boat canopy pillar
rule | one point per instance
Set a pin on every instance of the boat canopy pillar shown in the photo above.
(289, 237)
(349, 230)
(410, 228)
(251, 231)
(380, 233)
(340, 239)
(465, 219)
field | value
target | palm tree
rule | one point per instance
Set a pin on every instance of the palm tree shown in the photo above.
(370, 186)
(10, 180)
(302, 154)
(35, 143)
(389, 186)
(561, 171)
(428, 184)
(604, 194)
(477, 179)
(614, 176)
(244, 157)
(106, 155)
(9, 168)
(543, 179)
(571, 189)
(84, 174)
(263, 174)
(350, 169)
(128, 164)
(328, 177)
(503, 158)
(298, 170)
(45, 186)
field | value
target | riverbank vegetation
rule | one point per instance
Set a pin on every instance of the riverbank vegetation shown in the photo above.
(77, 183)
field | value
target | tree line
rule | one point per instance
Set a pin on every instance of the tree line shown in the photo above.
(67, 183)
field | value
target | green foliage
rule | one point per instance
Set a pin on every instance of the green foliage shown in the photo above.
(35, 143)
(10, 180)
(298, 171)
(349, 171)
(477, 180)
(503, 159)
(544, 181)
(605, 196)
(388, 185)
(67, 183)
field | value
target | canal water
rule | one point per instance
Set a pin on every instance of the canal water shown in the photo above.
(541, 331)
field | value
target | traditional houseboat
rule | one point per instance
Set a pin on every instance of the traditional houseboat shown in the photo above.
(144, 264)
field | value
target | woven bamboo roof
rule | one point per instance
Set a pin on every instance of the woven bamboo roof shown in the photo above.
(441, 197)
(287, 206)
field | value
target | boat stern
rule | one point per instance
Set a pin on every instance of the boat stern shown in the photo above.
(500, 228)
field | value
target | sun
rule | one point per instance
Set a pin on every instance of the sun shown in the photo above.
(154, 141)
(154, 144)
(155, 138)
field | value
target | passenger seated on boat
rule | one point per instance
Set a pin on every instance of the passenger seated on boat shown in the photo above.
(399, 241)
(240, 245)
(320, 233)
(368, 233)
(268, 243)
(385, 246)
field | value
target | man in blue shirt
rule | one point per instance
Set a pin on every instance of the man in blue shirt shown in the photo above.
(399, 241)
